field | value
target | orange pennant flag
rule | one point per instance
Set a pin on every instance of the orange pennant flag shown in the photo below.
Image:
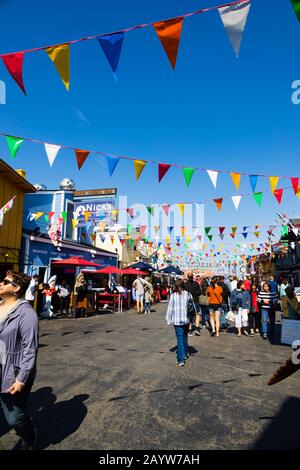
(60, 56)
(81, 156)
(219, 203)
(182, 231)
(139, 165)
(87, 215)
(236, 178)
(273, 182)
(169, 35)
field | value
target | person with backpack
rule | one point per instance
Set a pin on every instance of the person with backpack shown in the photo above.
(177, 315)
(195, 290)
(215, 294)
(139, 287)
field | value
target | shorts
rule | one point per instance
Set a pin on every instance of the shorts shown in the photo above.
(198, 308)
(139, 297)
(215, 308)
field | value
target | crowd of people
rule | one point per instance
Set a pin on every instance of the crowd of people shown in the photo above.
(216, 304)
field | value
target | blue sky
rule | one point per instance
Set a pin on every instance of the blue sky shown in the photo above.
(214, 111)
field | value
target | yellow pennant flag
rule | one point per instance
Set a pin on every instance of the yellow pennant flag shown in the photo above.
(60, 56)
(188, 239)
(298, 192)
(168, 240)
(102, 226)
(181, 208)
(75, 223)
(236, 178)
(273, 182)
(115, 213)
(87, 215)
(139, 165)
(203, 246)
(112, 238)
(38, 215)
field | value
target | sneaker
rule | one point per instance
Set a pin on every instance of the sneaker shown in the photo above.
(213, 333)
(190, 333)
(251, 334)
(187, 356)
(32, 445)
(246, 333)
(181, 364)
(257, 331)
(264, 336)
(197, 333)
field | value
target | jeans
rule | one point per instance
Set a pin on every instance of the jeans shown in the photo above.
(14, 410)
(182, 341)
(265, 316)
(147, 307)
(205, 314)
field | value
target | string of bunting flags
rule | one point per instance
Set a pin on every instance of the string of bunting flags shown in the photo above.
(233, 15)
(7, 207)
(14, 144)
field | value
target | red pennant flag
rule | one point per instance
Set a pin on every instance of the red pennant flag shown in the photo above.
(50, 215)
(166, 208)
(14, 65)
(295, 184)
(130, 212)
(169, 34)
(122, 241)
(81, 156)
(278, 194)
(162, 170)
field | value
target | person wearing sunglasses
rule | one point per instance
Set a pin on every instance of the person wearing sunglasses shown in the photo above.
(18, 354)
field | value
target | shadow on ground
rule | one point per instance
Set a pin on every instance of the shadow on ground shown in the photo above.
(283, 432)
(55, 421)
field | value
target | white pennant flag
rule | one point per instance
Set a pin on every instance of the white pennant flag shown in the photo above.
(236, 201)
(234, 18)
(213, 176)
(295, 231)
(52, 151)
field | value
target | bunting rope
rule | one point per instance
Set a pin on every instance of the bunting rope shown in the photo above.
(126, 30)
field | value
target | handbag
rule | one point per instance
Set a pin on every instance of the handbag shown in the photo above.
(230, 316)
(191, 310)
(203, 300)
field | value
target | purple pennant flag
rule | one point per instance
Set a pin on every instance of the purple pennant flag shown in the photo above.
(112, 45)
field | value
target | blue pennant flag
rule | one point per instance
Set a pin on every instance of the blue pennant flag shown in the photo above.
(170, 229)
(112, 45)
(112, 163)
(245, 235)
(245, 228)
(253, 181)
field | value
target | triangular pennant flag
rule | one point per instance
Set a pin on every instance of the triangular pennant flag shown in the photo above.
(245, 228)
(273, 182)
(284, 231)
(64, 216)
(199, 237)
(253, 181)
(14, 144)
(298, 192)
(87, 215)
(181, 208)
(295, 184)
(75, 223)
(213, 176)
(188, 239)
(150, 210)
(38, 215)
(257, 234)
(166, 208)
(221, 235)
(236, 201)
(258, 198)
(234, 229)
(130, 212)
(50, 215)
(245, 234)
(178, 239)
(221, 230)
(233, 235)
(156, 228)
(295, 231)
(112, 238)
(129, 229)
(112, 163)
(278, 194)
(102, 226)
(219, 203)
(162, 170)
(169, 34)
(188, 173)
(111, 45)
(296, 6)
(81, 156)
(52, 151)
(139, 165)
(210, 237)
(14, 65)
(182, 231)
(236, 178)
(234, 18)
(257, 226)
(207, 230)
(131, 242)
(143, 229)
(115, 213)
(122, 242)
(60, 56)
(170, 229)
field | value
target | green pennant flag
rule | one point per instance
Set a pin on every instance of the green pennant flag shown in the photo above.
(296, 6)
(150, 210)
(64, 216)
(188, 173)
(284, 231)
(129, 229)
(207, 230)
(210, 237)
(146, 239)
(131, 242)
(46, 218)
(258, 198)
(14, 144)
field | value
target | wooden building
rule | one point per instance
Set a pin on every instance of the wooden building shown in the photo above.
(12, 183)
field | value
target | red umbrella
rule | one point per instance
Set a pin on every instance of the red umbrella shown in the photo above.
(107, 270)
(135, 271)
(74, 261)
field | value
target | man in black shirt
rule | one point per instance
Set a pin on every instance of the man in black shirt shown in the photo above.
(194, 288)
